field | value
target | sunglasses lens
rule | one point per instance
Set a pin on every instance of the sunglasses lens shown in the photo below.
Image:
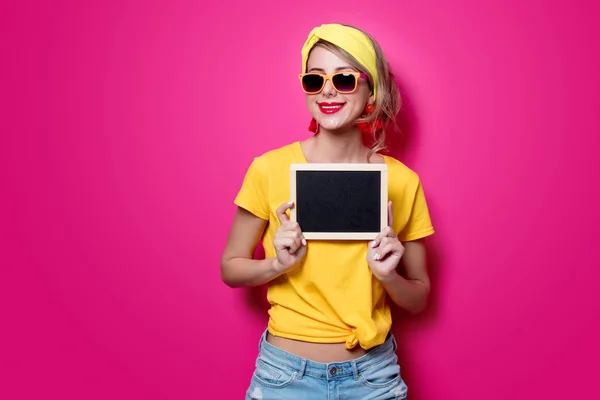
(312, 83)
(344, 82)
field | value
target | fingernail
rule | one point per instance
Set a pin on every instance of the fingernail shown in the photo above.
(376, 256)
(290, 202)
(304, 242)
(373, 243)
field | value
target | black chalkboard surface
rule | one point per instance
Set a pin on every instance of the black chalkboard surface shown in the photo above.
(339, 201)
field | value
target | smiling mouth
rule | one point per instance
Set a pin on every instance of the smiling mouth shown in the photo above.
(330, 108)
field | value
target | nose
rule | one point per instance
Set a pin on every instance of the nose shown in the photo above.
(328, 90)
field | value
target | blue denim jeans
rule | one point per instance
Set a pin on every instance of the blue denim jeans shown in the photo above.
(280, 375)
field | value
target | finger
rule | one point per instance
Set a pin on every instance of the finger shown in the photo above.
(377, 239)
(295, 235)
(383, 251)
(295, 227)
(291, 230)
(386, 240)
(287, 227)
(296, 244)
(289, 234)
(281, 212)
(383, 240)
(390, 214)
(389, 245)
(385, 232)
(300, 234)
(285, 243)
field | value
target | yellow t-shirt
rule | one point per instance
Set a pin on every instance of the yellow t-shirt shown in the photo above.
(332, 295)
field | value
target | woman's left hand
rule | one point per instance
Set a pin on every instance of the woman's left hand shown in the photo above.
(385, 251)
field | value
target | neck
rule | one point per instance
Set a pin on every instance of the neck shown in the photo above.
(336, 147)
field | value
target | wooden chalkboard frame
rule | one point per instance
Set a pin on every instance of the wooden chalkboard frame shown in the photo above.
(383, 173)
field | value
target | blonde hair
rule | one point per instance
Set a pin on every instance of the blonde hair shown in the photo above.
(388, 101)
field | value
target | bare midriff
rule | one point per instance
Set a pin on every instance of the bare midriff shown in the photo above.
(319, 352)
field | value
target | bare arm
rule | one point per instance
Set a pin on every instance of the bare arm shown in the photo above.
(238, 267)
(410, 290)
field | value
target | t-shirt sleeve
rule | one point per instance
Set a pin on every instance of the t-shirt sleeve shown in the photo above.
(419, 222)
(252, 195)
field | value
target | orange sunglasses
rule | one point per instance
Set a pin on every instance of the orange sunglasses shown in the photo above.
(343, 82)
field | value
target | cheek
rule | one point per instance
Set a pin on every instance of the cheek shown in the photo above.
(309, 101)
(356, 106)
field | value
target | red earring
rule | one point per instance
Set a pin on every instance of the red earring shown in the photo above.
(314, 126)
(367, 127)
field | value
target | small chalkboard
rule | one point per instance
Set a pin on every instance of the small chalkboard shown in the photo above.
(339, 201)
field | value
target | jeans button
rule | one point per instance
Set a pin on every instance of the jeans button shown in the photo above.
(333, 370)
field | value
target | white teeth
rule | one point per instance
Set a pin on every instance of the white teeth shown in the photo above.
(331, 107)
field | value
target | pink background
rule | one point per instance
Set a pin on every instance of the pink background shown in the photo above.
(128, 125)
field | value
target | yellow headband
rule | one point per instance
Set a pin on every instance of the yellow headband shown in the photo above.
(352, 40)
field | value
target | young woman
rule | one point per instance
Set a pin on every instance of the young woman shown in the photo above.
(328, 335)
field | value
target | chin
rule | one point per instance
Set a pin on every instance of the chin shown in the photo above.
(339, 121)
(330, 122)
(329, 127)
(334, 126)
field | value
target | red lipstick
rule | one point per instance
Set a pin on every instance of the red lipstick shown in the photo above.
(330, 108)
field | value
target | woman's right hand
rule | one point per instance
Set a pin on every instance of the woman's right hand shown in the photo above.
(289, 241)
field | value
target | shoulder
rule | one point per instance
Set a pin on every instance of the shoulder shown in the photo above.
(400, 174)
(278, 157)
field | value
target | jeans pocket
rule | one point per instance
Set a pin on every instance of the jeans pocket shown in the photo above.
(381, 375)
(268, 374)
